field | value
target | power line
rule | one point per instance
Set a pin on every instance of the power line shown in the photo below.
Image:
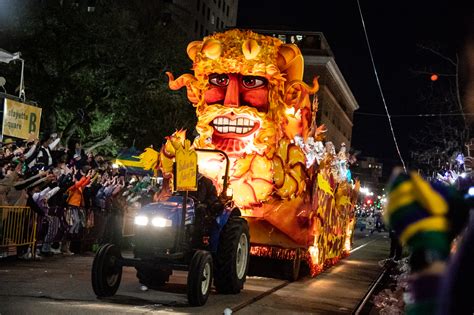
(412, 115)
(380, 88)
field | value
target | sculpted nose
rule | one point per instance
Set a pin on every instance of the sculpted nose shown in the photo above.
(232, 93)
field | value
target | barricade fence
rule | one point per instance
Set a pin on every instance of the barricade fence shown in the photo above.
(17, 227)
(21, 226)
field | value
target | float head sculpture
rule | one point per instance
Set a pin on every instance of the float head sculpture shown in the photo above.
(249, 96)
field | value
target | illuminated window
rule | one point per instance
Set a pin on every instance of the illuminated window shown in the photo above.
(282, 38)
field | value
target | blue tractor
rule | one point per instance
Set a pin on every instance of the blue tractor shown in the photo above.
(175, 235)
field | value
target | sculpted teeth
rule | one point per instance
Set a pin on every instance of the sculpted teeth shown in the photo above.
(239, 125)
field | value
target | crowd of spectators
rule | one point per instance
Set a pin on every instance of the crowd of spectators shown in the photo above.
(73, 191)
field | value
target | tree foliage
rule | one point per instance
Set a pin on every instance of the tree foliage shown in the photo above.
(442, 137)
(101, 72)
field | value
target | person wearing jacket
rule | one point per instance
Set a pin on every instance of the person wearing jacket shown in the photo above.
(75, 202)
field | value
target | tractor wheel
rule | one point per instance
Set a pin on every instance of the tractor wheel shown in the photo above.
(199, 278)
(292, 267)
(106, 272)
(232, 258)
(153, 278)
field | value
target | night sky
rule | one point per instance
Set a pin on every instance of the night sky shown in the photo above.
(394, 29)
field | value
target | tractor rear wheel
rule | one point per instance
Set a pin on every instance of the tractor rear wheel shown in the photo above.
(232, 258)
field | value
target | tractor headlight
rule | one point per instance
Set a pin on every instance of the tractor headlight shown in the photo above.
(161, 222)
(141, 220)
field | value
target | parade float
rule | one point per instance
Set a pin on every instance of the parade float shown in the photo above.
(294, 190)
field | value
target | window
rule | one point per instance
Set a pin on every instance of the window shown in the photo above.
(219, 4)
(201, 30)
(213, 19)
(208, 13)
(195, 26)
(227, 10)
(203, 9)
(198, 6)
(217, 24)
(222, 24)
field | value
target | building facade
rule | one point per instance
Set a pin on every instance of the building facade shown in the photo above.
(336, 103)
(369, 171)
(198, 18)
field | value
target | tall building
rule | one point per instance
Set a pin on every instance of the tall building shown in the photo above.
(336, 101)
(199, 18)
(369, 171)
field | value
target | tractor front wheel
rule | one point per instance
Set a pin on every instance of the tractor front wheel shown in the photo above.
(106, 271)
(199, 278)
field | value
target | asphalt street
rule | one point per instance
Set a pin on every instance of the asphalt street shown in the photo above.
(62, 285)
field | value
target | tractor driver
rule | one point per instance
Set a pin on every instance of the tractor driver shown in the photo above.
(208, 205)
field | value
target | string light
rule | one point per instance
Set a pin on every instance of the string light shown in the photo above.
(380, 88)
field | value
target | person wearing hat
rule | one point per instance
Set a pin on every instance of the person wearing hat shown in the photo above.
(44, 158)
(8, 142)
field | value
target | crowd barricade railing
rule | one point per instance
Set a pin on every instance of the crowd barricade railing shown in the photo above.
(17, 227)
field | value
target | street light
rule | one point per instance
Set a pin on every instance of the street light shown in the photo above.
(8, 57)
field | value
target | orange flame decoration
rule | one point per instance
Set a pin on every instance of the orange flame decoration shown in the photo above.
(272, 175)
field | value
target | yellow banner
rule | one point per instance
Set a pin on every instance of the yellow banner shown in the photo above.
(19, 120)
(186, 168)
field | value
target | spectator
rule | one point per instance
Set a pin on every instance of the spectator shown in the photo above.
(370, 223)
(426, 217)
(75, 201)
(395, 246)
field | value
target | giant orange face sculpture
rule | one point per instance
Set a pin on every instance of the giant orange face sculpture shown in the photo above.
(251, 103)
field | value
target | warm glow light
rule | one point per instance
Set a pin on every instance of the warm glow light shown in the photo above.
(314, 253)
(347, 242)
(141, 220)
(434, 77)
(161, 222)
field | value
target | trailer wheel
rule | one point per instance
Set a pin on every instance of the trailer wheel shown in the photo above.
(153, 278)
(199, 278)
(292, 267)
(232, 258)
(106, 271)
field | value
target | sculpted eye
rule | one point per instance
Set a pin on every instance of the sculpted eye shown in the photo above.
(219, 79)
(251, 82)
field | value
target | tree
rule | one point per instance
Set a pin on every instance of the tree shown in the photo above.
(101, 72)
(445, 133)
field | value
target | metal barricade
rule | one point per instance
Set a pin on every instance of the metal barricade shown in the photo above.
(17, 227)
